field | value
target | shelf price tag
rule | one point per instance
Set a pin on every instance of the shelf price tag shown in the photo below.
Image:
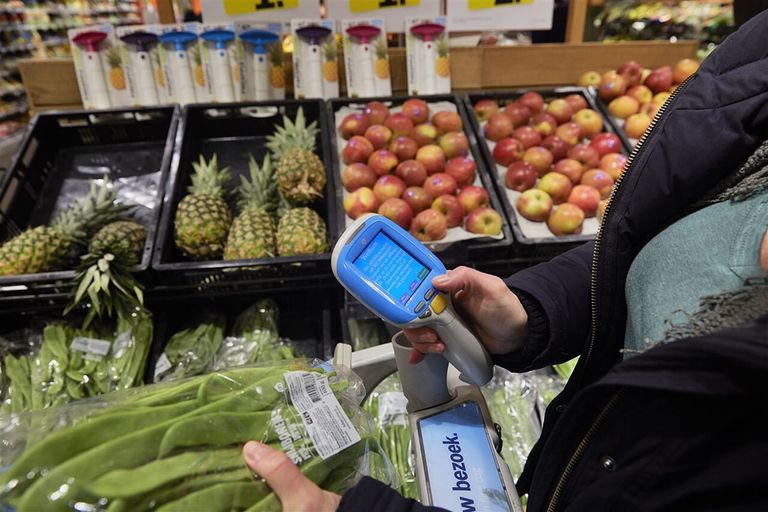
(374, 5)
(489, 4)
(393, 12)
(218, 11)
(474, 15)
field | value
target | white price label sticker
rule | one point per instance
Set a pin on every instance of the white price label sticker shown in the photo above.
(162, 365)
(392, 408)
(96, 349)
(323, 417)
(121, 344)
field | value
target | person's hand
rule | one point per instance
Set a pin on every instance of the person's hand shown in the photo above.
(296, 492)
(488, 307)
(764, 252)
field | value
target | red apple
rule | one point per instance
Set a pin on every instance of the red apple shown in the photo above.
(440, 184)
(557, 146)
(606, 143)
(683, 69)
(416, 109)
(484, 109)
(532, 100)
(585, 197)
(544, 123)
(631, 71)
(462, 168)
(376, 111)
(417, 198)
(613, 164)
(570, 168)
(557, 185)
(429, 225)
(357, 175)
(567, 219)
(612, 85)
(397, 211)
(399, 123)
(498, 127)
(528, 136)
(650, 109)
(598, 179)
(379, 135)
(590, 122)
(353, 124)
(660, 79)
(586, 154)
(404, 147)
(412, 172)
(454, 144)
(589, 79)
(382, 162)
(361, 201)
(560, 109)
(540, 158)
(577, 102)
(661, 97)
(425, 133)
(521, 176)
(507, 151)
(623, 106)
(636, 124)
(641, 93)
(602, 205)
(484, 221)
(472, 197)
(519, 114)
(358, 149)
(432, 158)
(534, 205)
(570, 132)
(449, 206)
(447, 121)
(388, 186)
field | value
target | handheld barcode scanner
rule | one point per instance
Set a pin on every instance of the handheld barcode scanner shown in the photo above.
(427, 32)
(141, 64)
(221, 74)
(313, 59)
(362, 57)
(180, 69)
(259, 39)
(455, 442)
(93, 70)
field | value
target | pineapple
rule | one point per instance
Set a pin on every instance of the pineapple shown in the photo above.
(124, 237)
(330, 67)
(292, 135)
(203, 217)
(301, 231)
(276, 71)
(47, 248)
(159, 75)
(301, 176)
(236, 74)
(252, 234)
(116, 73)
(199, 76)
(443, 62)
(381, 65)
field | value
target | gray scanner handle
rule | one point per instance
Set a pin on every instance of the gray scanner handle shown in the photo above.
(465, 352)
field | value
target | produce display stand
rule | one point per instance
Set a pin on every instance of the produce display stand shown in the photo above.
(65, 150)
(233, 132)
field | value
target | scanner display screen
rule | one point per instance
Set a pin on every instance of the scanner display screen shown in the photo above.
(459, 461)
(390, 268)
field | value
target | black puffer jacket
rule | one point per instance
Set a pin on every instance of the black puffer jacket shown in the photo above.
(682, 426)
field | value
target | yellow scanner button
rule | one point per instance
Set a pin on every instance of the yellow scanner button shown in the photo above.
(438, 304)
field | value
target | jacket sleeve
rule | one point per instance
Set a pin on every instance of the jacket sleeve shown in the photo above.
(373, 496)
(556, 298)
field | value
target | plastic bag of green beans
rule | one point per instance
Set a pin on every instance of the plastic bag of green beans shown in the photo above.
(176, 446)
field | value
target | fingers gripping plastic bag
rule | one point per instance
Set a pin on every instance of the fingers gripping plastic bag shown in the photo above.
(177, 446)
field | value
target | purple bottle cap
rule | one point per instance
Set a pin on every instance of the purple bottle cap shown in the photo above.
(315, 33)
(143, 41)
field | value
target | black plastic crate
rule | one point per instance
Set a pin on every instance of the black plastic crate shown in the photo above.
(556, 242)
(234, 132)
(460, 252)
(59, 154)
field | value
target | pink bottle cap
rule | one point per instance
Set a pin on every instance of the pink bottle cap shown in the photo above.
(90, 40)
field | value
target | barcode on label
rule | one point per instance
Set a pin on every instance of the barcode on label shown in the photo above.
(311, 387)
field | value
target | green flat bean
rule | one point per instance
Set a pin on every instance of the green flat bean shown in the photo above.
(219, 498)
(216, 429)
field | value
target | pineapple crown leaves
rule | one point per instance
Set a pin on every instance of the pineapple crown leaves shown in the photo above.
(261, 190)
(330, 49)
(275, 54)
(208, 179)
(292, 135)
(443, 46)
(110, 287)
(381, 48)
(283, 205)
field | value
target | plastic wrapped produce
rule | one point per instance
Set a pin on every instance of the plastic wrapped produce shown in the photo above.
(191, 351)
(177, 445)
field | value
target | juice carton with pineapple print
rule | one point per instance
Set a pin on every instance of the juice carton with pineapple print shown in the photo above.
(270, 72)
(221, 65)
(193, 64)
(315, 62)
(99, 69)
(428, 58)
(366, 59)
(144, 72)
